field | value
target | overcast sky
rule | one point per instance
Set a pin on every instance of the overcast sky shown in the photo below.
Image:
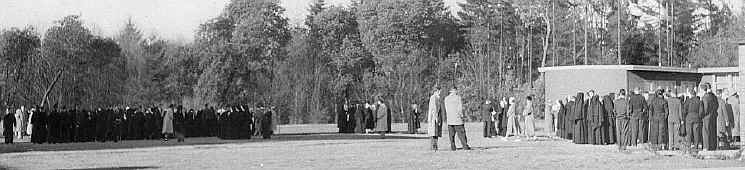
(172, 19)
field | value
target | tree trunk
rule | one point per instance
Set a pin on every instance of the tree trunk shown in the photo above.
(587, 14)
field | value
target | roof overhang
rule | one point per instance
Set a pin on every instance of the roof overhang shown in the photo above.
(714, 70)
(620, 67)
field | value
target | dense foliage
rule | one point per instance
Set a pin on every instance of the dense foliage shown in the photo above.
(394, 50)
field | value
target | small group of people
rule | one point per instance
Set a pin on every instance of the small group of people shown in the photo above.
(364, 118)
(506, 119)
(63, 125)
(448, 110)
(696, 119)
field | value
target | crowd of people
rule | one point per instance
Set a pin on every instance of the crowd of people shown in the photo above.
(65, 125)
(697, 119)
(364, 118)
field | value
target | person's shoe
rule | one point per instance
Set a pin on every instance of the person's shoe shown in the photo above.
(467, 148)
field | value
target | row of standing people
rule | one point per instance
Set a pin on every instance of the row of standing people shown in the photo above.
(506, 120)
(364, 118)
(60, 125)
(663, 119)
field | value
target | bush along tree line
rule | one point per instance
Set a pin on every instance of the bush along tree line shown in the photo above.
(391, 49)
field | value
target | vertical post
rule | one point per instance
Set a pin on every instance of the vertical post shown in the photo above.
(741, 84)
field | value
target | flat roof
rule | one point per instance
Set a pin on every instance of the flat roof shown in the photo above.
(707, 70)
(719, 70)
(620, 67)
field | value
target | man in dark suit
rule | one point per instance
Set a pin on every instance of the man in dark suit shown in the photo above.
(9, 122)
(711, 105)
(692, 112)
(39, 120)
(637, 106)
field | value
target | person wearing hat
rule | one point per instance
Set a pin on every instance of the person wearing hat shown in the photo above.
(658, 110)
(637, 108)
(674, 119)
(623, 119)
(734, 101)
(512, 127)
(167, 123)
(486, 116)
(711, 104)
(434, 118)
(383, 118)
(9, 122)
(692, 115)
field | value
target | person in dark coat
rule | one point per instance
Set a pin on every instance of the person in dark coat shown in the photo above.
(579, 116)
(359, 119)
(692, 113)
(502, 117)
(101, 121)
(595, 114)
(413, 120)
(39, 120)
(658, 112)
(711, 104)
(637, 106)
(52, 125)
(350, 124)
(559, 119)
(341, 117)
(369, 117)
(486, 116)
(623, 120)
(569, 118)
(266, 122)
(674, 119)
(9, 122)
(609, 128)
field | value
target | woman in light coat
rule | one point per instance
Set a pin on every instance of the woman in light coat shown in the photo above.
(512, 127)
(167, 123)
(434, 118)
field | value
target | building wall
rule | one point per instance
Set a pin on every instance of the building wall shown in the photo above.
(741, 84)
(648, 81)
(723, 81)
(561, 83)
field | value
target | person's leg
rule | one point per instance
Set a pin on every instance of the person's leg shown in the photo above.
(433, 143)
(530, 125)
(486, 129)
(663, 133)
(672, 133)
(510, 127)
(626, 132)
(461, 130)
(691, 134)
(698, 135)
(706, 133)
(635, 125)
(619, 139)
(451, 136)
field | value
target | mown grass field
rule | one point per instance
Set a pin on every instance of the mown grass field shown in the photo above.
(317, 147)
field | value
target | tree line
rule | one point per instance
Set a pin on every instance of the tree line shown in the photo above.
(396, 50)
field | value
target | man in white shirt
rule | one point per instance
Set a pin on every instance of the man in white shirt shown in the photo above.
(455, 116)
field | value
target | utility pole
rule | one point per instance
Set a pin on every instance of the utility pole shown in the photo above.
(659, 34)
(587, 17)
(618, 42)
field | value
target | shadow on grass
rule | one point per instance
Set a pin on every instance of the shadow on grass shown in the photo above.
(118, 168)
(495, 147)
(27, 147)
